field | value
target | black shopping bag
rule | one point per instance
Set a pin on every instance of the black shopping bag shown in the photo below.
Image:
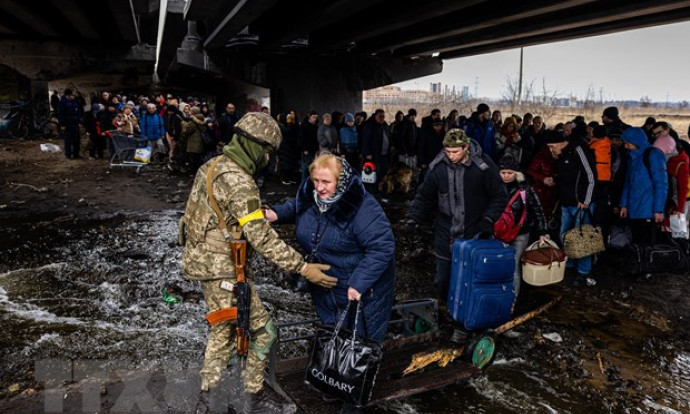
(343, 365)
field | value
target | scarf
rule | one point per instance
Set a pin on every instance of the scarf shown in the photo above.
(344, 180)
(249, 155)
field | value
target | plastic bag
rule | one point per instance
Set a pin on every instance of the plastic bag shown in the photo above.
(679, 226)
(143, 154)
(50, 148)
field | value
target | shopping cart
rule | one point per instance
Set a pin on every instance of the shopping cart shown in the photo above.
(125, 146)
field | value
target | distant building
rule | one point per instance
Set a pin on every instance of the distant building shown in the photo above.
(436, 88)
(465, 93)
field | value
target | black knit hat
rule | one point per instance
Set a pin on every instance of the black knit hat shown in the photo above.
(482, 107)
(599, 131)
(508, 162)
(554, 137)
(611, 112)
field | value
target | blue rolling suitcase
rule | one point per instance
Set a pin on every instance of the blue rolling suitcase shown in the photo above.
(481, 291)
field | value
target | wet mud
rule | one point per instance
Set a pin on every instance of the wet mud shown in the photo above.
(87, 284)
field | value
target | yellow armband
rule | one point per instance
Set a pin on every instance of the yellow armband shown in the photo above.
(255, 215)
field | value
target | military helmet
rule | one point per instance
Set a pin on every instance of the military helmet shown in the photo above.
(456, 137)
(261, 128)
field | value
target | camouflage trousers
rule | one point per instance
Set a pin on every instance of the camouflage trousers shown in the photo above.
(221, 344)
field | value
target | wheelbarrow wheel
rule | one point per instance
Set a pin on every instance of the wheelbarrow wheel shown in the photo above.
(481, 350)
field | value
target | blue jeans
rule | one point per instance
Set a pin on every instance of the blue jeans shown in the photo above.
(584, 265)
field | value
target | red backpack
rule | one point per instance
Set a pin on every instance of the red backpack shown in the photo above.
(506, 228)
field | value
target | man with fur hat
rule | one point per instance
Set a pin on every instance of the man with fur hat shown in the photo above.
(464, 193)
(224, 205)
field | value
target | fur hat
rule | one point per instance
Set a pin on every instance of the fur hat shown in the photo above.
(611, 112)
(508, 162)
(456, 137)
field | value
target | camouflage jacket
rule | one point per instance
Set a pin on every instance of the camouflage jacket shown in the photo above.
(206, 254)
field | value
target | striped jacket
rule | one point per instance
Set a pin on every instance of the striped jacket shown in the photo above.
(576, 173)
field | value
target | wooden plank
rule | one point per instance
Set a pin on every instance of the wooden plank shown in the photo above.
(425, 381)
(390, 384)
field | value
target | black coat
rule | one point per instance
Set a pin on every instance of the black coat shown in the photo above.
(576, 173)
(484, 197)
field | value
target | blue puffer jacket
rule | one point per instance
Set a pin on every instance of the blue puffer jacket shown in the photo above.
(644, 191)
(152, 126)
(357, 241)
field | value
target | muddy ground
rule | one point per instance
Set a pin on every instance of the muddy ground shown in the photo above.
(625, 343)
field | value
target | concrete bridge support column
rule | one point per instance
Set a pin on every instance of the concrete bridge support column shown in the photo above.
(304, 83)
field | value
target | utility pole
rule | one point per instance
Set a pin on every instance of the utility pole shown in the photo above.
(519, 94)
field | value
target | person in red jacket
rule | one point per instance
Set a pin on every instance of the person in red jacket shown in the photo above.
(543, 170)
(677, 168)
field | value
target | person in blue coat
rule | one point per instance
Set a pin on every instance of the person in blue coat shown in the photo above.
(645, 187)
(339, 223)
(480, 128)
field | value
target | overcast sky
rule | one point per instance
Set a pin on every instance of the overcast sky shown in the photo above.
(653, 62)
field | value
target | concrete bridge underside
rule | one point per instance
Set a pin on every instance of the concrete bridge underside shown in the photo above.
(304, 55)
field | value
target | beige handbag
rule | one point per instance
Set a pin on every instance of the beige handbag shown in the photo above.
(583, 240)
(543, 263)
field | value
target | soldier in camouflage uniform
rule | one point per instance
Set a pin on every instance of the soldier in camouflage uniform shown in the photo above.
(207, 256)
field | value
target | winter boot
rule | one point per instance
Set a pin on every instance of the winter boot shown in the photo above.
(263, 403)
(203, 406)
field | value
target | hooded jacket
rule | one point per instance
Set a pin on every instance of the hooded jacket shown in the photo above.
(535, 214)
(645, 189)
(477, 194)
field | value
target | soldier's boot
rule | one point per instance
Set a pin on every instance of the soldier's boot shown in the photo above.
(203, 405)
(263, 403)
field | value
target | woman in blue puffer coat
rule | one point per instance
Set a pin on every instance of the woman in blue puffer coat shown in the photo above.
(646, 185)
(340, 224)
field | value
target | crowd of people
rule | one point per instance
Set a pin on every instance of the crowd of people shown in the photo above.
(470, 170)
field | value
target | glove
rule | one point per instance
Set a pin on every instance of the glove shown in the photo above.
(410, 231)
(313, 272)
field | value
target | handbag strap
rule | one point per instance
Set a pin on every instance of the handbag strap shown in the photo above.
(581, 214)
(339, 325)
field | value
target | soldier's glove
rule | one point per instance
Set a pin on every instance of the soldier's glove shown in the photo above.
(313, 272)
(410, 231)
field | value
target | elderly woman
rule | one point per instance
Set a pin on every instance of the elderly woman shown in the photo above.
(342, 225)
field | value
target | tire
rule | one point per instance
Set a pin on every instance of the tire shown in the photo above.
(18, 131)
(50, 130)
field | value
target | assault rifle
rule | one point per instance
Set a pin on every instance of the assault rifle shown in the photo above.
(242, 292)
